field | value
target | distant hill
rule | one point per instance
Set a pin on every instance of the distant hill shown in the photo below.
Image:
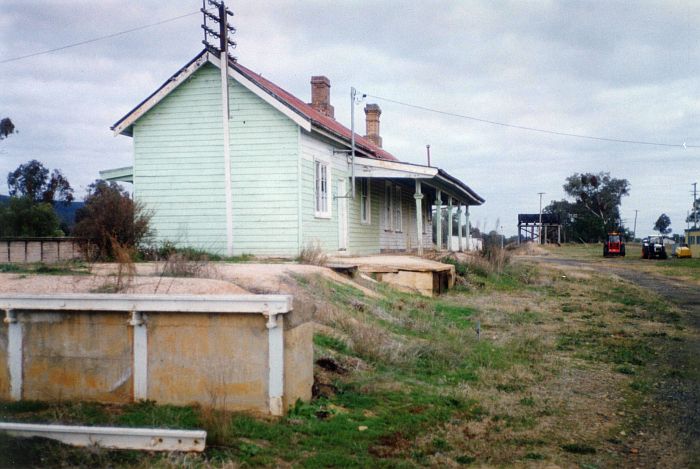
(65, 212)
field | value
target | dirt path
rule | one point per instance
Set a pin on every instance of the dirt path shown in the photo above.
(672, 423)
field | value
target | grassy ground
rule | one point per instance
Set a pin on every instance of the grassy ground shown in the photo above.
(682, 269)
(562, 372)
(59, 268)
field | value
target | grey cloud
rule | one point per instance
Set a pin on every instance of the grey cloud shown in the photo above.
(615, 69)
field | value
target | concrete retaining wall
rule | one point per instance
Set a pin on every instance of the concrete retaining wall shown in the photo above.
(47, 250)
(228, 352)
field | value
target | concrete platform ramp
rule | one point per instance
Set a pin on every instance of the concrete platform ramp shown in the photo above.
(406, 273)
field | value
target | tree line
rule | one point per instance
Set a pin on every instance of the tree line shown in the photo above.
(592, 208)
(108, 218)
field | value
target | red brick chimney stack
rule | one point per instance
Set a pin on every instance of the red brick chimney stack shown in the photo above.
(372, 113)
(321, 96)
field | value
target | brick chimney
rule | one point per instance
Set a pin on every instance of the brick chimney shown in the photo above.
(372, 113)
(321, 95)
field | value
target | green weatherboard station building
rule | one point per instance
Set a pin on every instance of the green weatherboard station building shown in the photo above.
(285, 181)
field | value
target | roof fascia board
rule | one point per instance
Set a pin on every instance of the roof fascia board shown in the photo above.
(329, 135)
(447, 176)
(466, 196)
(262, 94)
(148, 104)
(125, 174)
(419, 171)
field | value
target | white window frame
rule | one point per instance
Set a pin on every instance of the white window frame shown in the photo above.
(322, 200)
(365, 201)
(388, 206)
(398, 210)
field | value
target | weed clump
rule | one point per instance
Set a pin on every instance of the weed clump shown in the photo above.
(312, 253)
(181, 264)
(490, 268)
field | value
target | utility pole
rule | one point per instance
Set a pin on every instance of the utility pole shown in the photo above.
(353, 99)
(634, 233)
(221, 17)
(427, 149)
(539, 234)
(695, 209)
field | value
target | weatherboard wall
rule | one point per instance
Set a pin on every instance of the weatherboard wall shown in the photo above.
(322, 231)
(325, 231)
(179, 169)
(364, 237)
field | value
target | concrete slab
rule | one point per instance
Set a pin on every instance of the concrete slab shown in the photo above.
(407, 273)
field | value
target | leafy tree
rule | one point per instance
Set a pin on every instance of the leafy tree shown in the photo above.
(21, 216)
(6, 128)
(110, 215)
(33, 180)
(595, 209)
(663, 224)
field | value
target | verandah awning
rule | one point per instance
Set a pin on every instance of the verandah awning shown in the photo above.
(440, 179)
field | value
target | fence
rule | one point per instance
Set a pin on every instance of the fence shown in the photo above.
(242, 352)
(47, 250)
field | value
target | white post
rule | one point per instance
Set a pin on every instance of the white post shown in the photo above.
(459, 227)
(140, 356)
(437, 219)
(275, 344)
(466, 221)
(228, 192)
(450, 232)
(14, 354)
(419, 216)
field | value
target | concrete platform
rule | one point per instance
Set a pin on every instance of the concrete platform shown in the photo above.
(407, 273)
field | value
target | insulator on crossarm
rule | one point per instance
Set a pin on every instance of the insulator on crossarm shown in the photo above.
(209, 15)
(210, 31)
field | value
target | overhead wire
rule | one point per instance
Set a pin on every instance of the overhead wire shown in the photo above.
(402, 103)
(99, 38)
(532, 129)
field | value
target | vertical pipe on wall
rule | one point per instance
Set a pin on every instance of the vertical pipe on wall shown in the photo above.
(275, 341)
(14, 354)
(140, 356)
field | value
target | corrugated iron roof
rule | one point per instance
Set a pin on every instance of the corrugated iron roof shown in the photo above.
(316, 118)
(306, 111)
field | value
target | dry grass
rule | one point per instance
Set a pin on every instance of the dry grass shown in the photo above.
(184, 265)
(541, 401)
(124, 255)
(551, 382)
(312, 253)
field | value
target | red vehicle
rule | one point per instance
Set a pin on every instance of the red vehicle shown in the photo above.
(614, 246)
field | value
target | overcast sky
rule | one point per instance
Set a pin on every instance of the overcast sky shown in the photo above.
(626, 70)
